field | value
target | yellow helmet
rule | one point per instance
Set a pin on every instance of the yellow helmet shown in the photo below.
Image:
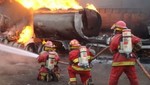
(74, 43)
(119, 25)
(49, 46)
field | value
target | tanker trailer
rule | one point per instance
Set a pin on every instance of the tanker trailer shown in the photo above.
(13, 18)
(62, 26)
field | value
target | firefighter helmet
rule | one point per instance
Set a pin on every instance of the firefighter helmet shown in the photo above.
(119, 25)
(49, 46)
(74, 42)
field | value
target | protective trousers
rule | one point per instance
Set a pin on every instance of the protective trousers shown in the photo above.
(116, 72)
(84, 75)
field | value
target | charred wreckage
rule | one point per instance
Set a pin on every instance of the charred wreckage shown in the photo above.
(88, 26)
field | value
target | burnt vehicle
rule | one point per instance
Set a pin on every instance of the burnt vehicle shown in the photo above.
(13, 18)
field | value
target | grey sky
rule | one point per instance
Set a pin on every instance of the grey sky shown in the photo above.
(118, 3)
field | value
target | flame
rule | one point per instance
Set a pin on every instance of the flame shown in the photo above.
(26, 34)
(91, 6)
(55, 5)
(52, 4)
(43, 42)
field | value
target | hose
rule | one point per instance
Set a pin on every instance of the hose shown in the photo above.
(143, 69)
(100, 52)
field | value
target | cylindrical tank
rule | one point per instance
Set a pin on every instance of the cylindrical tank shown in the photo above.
(138, 20)
(66, 25)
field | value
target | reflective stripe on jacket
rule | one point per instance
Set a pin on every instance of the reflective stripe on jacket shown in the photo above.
(73, 79)
(76, 60)
(123, 63)
(78, 68)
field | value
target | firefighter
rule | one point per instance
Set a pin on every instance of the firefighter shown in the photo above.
(49, 62)
(80, 58)
(124, 46)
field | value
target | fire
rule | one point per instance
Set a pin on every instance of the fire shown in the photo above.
(91, 6)
(53, 4)
(26, 34)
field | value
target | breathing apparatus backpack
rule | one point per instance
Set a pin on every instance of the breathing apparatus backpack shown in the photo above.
(126, 43)
(51, 62)
(83, 58)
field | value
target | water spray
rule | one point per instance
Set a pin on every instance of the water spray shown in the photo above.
(22, 52)
(17, 51)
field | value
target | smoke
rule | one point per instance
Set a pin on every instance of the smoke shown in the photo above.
(17, 51)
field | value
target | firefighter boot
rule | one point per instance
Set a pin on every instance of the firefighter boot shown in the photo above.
(57, 72)
(42, 76)
(89, 82)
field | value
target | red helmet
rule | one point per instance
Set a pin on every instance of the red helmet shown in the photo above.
(49, 44)
(119, 24)
(74, 43)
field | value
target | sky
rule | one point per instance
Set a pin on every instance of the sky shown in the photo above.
(118, 3)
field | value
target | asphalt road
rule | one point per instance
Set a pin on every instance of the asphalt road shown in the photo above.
(23, 70)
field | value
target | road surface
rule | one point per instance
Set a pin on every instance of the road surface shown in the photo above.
(23, 70)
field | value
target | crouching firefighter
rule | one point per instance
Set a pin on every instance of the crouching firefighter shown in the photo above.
(48, 59)
(123, 45)
(79, 58)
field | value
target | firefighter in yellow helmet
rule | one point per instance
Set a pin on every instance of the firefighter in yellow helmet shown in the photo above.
(48, 60)
(74, 44)
(119, 26)
(80, 58)
(123, 45)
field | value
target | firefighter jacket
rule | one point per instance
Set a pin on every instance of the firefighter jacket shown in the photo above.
(74, 59)
(43, 56)
(118, 58)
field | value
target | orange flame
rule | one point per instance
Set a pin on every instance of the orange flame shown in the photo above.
(26, 34)
(91, 6)
(53, 4)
